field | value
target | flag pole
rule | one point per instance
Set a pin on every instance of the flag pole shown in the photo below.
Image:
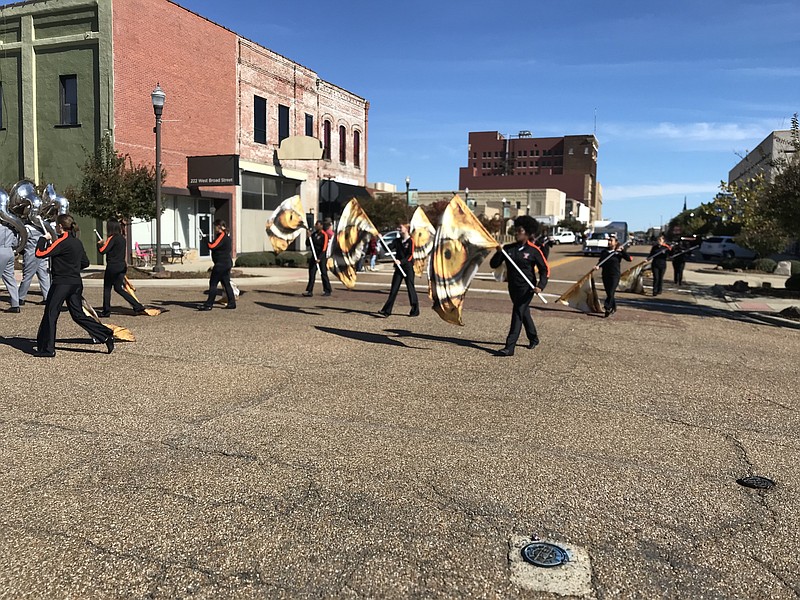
(600, 264)
(311, 243)
(402, 272)
(525, 277)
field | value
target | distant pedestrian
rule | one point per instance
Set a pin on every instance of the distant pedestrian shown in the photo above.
(221, 249)
(318, 260)
(372, 252)
(659, 254)
(611, 259)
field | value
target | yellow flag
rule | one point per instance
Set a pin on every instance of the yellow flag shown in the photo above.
(631, 280)
(423, 234)
(285, 224)
(120, 333)
(583, 295)
(347, 246)
(460, 246)
(150, 311)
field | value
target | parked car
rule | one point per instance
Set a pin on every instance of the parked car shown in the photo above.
(565, 237)
(389, 237)
(723, 246)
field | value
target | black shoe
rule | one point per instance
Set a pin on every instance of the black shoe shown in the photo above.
(110, 343)
(229, 307)
(326, 293)
(307, 294)
(505, 352)
(384, 313)
(613, 310)
(606, 313)
(13, 309)
(532, 344)
(103, 314)
(414, 311)
(204, 307)
(21, 302)
(40, 354)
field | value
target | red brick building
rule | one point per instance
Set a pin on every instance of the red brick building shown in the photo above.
(569, 164)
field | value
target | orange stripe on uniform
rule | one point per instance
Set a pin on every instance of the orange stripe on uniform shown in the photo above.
(104, 246)
(327, 239)
(546, 264)
(49, 249)
(217, 241)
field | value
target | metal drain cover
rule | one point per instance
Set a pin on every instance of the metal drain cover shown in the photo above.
(543, 554)
(756, 482)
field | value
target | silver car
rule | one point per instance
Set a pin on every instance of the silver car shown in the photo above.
(723, 246)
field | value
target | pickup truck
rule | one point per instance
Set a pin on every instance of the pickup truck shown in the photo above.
(595, 243)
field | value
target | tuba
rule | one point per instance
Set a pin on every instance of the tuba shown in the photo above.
(52, 206)
(12, 220)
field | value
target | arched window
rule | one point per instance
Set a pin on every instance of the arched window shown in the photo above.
(326, 140)
(357, 149)
(342, 144)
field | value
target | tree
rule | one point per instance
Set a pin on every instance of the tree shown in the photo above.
(573, 224)
(113, 187)
(387, 210)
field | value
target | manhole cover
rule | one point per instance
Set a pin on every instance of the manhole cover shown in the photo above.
(543, 554)
(756, 482)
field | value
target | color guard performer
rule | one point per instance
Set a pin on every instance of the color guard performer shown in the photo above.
(67, 259)
(403, 248)
(610, 260)
(659, 255)
(221, 249)
(116, 267)
(527, 256)
(318, 241)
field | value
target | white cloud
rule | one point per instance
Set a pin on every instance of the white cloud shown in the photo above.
(687, 132)
(625, 192)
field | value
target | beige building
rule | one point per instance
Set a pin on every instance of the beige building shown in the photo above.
(507, 203)
(774, 148)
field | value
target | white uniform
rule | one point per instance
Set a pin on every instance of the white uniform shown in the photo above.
(8, 240)
(33, 266)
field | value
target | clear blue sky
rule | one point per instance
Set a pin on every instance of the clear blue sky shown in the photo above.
(679, 88)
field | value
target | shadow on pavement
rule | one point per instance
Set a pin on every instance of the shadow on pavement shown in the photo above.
(19, 343)
(287, 308)
(362, 336)
(445, 339)
(369, 313)
(181, 303)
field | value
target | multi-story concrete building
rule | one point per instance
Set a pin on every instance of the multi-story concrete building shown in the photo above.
(499, 163)
(775, 148)
(73, 71)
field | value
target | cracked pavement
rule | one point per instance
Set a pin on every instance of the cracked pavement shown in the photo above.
(301, 447)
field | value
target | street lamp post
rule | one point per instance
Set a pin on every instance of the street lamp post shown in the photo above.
(158, 96)
(466, 195)
(408, 191)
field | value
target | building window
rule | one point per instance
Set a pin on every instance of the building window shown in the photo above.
(342, 144)
(283, 122)
(586, 150)
(262, 192)
(357, 149)
(69, 99)
(571, 152)
(309, 125)
(326, 140)
(259, 120)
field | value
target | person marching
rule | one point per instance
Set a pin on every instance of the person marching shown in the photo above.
(403, 248)
(114, 249)
(8, 241)
(33, 266)
(679, 255)
(67, 259)
(527, 256)
(610, 260)
(659, 255)
(319, 241)
(221, 249)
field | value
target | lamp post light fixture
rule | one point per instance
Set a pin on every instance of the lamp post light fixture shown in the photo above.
(158, 96)
(408, 191)
(466, 195)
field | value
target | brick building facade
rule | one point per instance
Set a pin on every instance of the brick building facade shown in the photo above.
(226, 95)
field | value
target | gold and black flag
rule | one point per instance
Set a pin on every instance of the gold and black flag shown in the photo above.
(286, 223)
(583, 295)
(460, 246)
(347, 246)
(423, 234)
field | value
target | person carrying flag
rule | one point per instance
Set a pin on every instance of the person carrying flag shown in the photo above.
(403, 248)
(659, 255)
(318, 241)
(610, 260)
(528, 257)
(114, 249)
(221, 249)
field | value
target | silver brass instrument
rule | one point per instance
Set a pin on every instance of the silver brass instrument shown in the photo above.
(13, 220)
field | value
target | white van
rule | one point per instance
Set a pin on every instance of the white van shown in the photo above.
(723, 246)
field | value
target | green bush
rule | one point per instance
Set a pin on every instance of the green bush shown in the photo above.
(256, 259)
(795, 266)
(767, 265)
(734, 263)
(291, 259)
(793, 283)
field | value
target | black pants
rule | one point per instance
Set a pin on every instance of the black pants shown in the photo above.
(398, 278)
(323, 274)
(220, 274)
(677, 267)
(610, 283)
(72, 294)
(521, 316)
(115, 278)
(658, 278)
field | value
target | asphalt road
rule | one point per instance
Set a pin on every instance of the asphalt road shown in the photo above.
(302, 447)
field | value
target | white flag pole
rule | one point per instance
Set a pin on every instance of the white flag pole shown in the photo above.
(380, 237)
(311, 243)
(600, 264)
(99, 239)
(525, 277)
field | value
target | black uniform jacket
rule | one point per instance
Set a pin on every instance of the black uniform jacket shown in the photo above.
(221, 250)
(320, 240)
(403, 250)
(660, 261)
(114, 249)
(67, 257)
(527, 257)
(612, 265)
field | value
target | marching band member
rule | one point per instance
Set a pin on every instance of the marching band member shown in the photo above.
(527, 256)
(610, 259)
(318, 260)
(659, 255)
(403, 248)
(221, 249)
(8, 241)
(67, 259)
(33, 266)
(114, 249)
